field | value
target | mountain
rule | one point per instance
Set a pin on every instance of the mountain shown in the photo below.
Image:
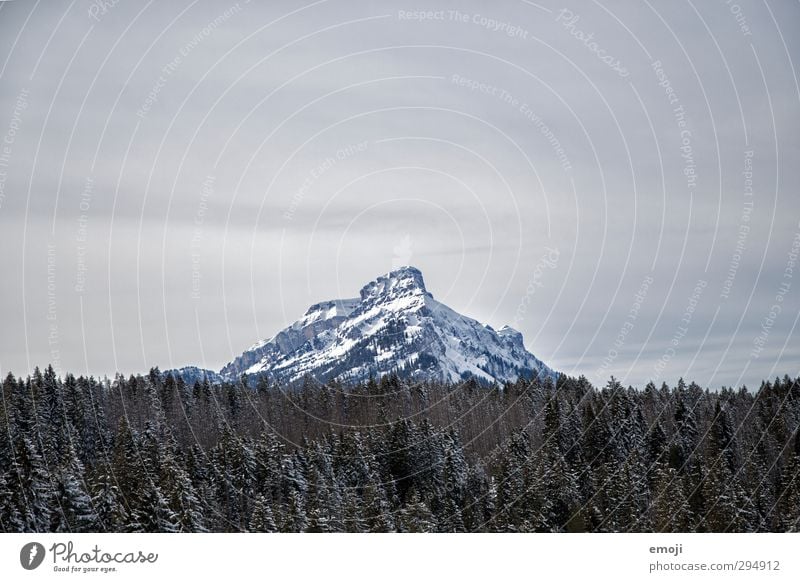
(192, 374)
(395, 325)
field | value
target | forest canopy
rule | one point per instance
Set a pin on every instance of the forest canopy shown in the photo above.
(155, 454)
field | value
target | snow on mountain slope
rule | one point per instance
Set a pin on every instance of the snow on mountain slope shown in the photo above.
(192, 374)
(394, 326)
(319, 319)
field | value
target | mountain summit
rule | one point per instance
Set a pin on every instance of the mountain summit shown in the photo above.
(395, 325)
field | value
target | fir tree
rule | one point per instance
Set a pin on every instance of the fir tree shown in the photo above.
(416, 517)
(789, 499)
(76, 513)
(111, 514)
(35, 495)
(155, 514)
(10, 518)
(262, 521)
(181, 497)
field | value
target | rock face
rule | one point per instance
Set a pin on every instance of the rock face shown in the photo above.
(394, 326)
(318, 320)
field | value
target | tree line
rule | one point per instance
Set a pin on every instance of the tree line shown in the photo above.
(154, 454)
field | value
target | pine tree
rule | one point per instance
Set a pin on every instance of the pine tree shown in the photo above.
(455, 471)
(75, 513)
(155, 515)
(127, 468)
(182, 497)
(10, 518)
(267, 465)
(262, 521)
(401, 459)
(352, 516)
(728, 507)
(629, 496)
(452, 521)
(35, 495)
(377, 511)
(111, 514)
(318, 508)
(478, 502)
(759, 489)
(296, 518)
(556, 493)
(416, 517)
(789, 498)
(669, 507)
(515, 479)
(52, 424)
(555, 485)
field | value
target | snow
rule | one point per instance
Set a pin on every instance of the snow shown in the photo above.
(393, 323)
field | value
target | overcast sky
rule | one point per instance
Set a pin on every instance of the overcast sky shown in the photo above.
(618, 182)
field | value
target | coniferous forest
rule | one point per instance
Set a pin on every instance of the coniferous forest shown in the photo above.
(154, 454)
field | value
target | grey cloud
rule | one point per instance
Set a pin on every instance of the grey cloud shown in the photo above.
(560, 152)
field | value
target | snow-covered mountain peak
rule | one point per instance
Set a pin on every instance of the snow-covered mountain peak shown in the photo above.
(394, 326)
(400, 282)
(511, 334)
